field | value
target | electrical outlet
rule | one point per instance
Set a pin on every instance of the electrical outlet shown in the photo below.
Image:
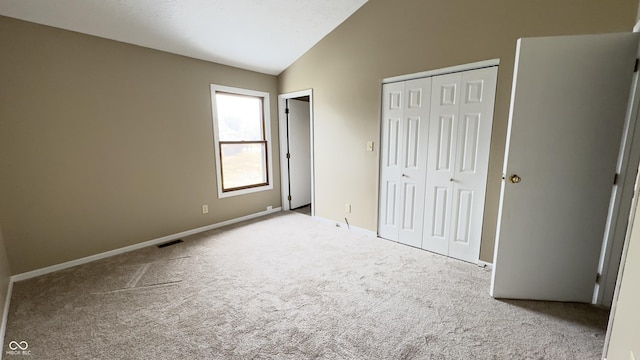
(347, 208)
(269, 208)
(205, 209)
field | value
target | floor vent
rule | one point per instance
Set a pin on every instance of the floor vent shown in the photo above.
(173, 242)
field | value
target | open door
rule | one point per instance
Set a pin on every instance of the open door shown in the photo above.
(295, 113)
(299, 141)
(568, 106)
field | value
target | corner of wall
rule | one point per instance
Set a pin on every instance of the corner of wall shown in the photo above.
(5, 290)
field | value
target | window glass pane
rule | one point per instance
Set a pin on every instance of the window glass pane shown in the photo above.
(243, 165)
(239, 117)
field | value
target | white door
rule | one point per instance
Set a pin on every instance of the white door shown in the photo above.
(390, 152)
(472, 162)
(299, 133)
(460, 135)
(405, 124)
(568, 106)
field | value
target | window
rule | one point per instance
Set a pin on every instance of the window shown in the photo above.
(242, 140)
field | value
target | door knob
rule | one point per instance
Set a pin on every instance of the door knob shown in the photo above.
(515, 178)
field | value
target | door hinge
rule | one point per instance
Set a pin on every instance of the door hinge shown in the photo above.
(635, 68)
(288, 155)
(289, 197)
(286, 111)
(615, 179)
(598, 278)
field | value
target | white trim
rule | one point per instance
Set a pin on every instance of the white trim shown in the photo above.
(282, 124)
(88, 259)
(620, 202)
(447, 70)
(5, 316)
(345, 226)
(623, 261)
(485, 265)
(266, 108)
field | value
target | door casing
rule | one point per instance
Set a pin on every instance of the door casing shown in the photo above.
(282, 126)
(300, 153)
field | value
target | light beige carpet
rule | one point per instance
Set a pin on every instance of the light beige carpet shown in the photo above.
(289, 287)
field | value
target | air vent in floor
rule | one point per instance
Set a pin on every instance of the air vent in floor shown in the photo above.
(173, 242)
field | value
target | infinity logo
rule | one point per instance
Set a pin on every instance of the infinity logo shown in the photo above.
(22, 345)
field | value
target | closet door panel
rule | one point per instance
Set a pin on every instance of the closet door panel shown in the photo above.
(414, 160)
(390, 164)
(445, 99)
(472, 162)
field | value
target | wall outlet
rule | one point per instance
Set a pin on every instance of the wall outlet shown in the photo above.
(205, 209)
(347, 208)
(269, 208)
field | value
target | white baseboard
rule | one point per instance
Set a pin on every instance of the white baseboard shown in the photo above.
(346, 226)
(88, 259)
(486, 265)
(5, 315)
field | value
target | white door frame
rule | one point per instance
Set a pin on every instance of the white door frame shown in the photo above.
(282, 125)
(443, 71)
(620, 204)
(625, 215)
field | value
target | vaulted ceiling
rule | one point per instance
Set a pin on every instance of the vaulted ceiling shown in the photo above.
(260, 35)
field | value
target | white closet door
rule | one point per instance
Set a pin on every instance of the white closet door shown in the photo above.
(404, 134)
(414, 160)
(478, 89)
(460, 135)
(445, 100)
(390, 169)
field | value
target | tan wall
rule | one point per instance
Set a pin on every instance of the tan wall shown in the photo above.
(387, 38)
(104, 144)
(625, 336)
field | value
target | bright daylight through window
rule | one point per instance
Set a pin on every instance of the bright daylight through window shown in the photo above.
(242, 140)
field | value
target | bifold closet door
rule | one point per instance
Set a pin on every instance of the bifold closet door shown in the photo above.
(405, 125)
(461, 119)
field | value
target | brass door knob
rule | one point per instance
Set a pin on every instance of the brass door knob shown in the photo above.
(515, 178)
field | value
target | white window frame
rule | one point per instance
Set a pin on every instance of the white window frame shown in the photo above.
(267, 134)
